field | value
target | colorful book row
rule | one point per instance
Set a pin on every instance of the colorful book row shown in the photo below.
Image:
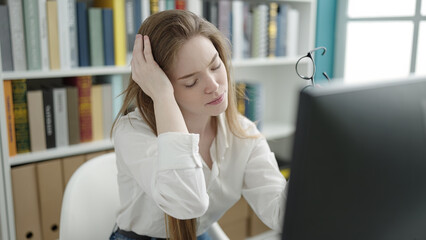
(51, 113)
(64, 34)
(256, 30)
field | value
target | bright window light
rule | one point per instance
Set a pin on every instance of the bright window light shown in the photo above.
(378, 50)
(382, 8)
(421, 49)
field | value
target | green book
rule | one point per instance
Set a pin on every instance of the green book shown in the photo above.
(19, 92)
(32, 34)
(96, 37)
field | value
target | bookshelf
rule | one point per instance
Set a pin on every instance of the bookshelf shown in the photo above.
(280, 86)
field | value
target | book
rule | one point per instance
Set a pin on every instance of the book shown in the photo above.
(260, 31)
(153, 6)
(10, 117)
(237, 29)
(97, 112)
(36, 120)
(107, 109)
(32, 33)
(19, 92)
(96, 37)
(44, 39)
(84, 85)
(60, 113)
(53, 37)
(118, 86)
(254, 103)
(108, 36)
(130, 28)
(180, 4)
(120, 46)
(292, 32)
(241, 88)
(247, 29)
(272, 29)
(82, 35)
(73, 32)
(170, 4)
(49, 117)
(145, 9)
(280, 50)
(137, 18)
(17, 34)
(73, 115)
(224, 18)
(5, 43)
(64, 33)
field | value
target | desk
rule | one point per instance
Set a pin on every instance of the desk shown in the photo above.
(269, 235)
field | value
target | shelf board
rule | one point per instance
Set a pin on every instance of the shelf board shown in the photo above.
(262, 62)
(107, 70)
(81, 71)
(275, 130)
(60, 152)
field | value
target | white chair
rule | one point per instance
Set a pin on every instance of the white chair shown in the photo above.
(91, 201)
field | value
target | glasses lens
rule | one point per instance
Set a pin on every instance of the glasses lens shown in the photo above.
(305, 67)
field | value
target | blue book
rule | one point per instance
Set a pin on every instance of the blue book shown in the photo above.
(108, 35)
(137, 16)
(280, 49)
(83, 35)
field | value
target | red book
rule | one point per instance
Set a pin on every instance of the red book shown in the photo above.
(84, 85)
(180, 4)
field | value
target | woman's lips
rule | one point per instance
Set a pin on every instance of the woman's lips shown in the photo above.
(217, 100)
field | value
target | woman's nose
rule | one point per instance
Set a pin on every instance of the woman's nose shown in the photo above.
(211, 84)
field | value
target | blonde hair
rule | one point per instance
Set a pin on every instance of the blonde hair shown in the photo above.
(168, 31)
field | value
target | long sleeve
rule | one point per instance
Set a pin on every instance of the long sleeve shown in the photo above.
(264, 186)
(168, 168)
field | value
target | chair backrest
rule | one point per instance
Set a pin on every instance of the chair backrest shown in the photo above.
(91, 200)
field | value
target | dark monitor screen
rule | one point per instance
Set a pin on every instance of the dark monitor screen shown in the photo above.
(358, 167)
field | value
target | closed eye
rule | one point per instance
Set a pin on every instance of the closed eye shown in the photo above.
(216, 68)
(192, 84)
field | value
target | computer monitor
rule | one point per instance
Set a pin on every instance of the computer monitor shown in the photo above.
(358, 167)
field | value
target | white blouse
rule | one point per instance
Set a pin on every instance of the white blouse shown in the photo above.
(166, 174)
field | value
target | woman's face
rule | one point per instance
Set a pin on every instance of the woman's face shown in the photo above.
(199, 79)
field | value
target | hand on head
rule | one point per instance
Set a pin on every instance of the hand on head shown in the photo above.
(146, 72)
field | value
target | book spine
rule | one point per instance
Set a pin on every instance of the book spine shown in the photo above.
(241, 88)
(137, 19)
(154, 6)
(224, 18)
(44, 39)
(73, 115)
(145, 9)
(72, 28)
(63, 30)
(180, 4)
(97, 112)
(170, 4)
(254, 103)
(130, 28)
(32, 33)
(61, 119)
(107, 108)
(19, 91)
(237, 29)
(272, 29)
(36, 120)
(281, 30)
(49, 118)
(292, 32)
(83, 35)
(85, 110)
(95, 37)
(10, 117)
(6, 45)
(52, 25)
(108, 36)
(17, 35)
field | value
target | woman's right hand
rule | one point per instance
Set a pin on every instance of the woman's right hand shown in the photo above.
(146, 72)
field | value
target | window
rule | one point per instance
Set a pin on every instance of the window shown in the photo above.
(380, 39)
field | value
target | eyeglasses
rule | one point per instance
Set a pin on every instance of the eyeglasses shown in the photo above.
(309, 57)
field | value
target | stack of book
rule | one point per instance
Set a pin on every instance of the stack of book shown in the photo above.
(51, 113)
(64, 34)
(250, 101)
(256, 30)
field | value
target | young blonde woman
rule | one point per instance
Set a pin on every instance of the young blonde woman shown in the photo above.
(184, 154)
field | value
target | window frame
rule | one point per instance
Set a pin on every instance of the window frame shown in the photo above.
(341, 33)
